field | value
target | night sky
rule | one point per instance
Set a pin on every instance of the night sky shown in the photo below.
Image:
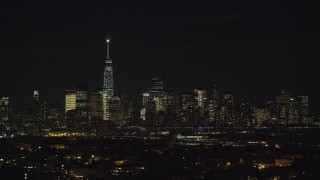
(254, 49)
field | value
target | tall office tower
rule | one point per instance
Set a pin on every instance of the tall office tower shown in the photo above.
(108, 89)
(70, 100)
(186, 102)
(95, 105)
(151, 112)
(145, 99)
(40, 111)
(36, 108)
(95, 110)
(156, 93)
(5, 110)
(303, 108)
(245, 114)
(44, 114)
(227, 108)
(114, 109)
(82, 99)
(36, 96)
(169, 117)
(214, 106)
(125, 108)
(55, 115)
(186, 111)
(201, 100)
(293, 111)
(5, 115)
(170, 101)
(282, 108)
(211, 112)
(271, 109)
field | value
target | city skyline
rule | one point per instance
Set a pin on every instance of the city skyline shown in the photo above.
(165, 89)
(240, 48)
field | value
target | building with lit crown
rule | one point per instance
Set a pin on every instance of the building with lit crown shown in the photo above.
(108, 89)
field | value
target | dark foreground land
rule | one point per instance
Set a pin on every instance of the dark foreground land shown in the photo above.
(205, 154)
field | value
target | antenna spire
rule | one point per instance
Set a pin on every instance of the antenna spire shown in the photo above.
(108, 49)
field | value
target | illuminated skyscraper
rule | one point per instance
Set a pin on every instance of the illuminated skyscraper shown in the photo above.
(303, 108)
(114, 108)
(125, 108)
(283, 107)
(36, 108)
(5, 115)
(40, 111)
(227, 108)
(5, 110)
(170, 101)
(214, 106)
(293, 111)
(201, 100)
(70, 100)
(245, 114)
(82, 99)
(157, 93)
(186, 111)
(36, 96)
(151, 112)
(95, 105)
(145, 99)
(108, 90)
(55, 115)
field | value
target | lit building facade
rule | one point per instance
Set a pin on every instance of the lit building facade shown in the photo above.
(114, 109)
(125, 107)
(5, 110)
(95, 105)
(36, 107)
(170, 101)
(157, 92)
(261, 115)
(303, 108)
(201, 100)
(186, 111)
(213, 106)
(284, 108)
(245, 114)
(40, 111)
(70, 100)
(108, 89)
(82, 99)
(150, 114)
(227, 108)
(145, 99)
